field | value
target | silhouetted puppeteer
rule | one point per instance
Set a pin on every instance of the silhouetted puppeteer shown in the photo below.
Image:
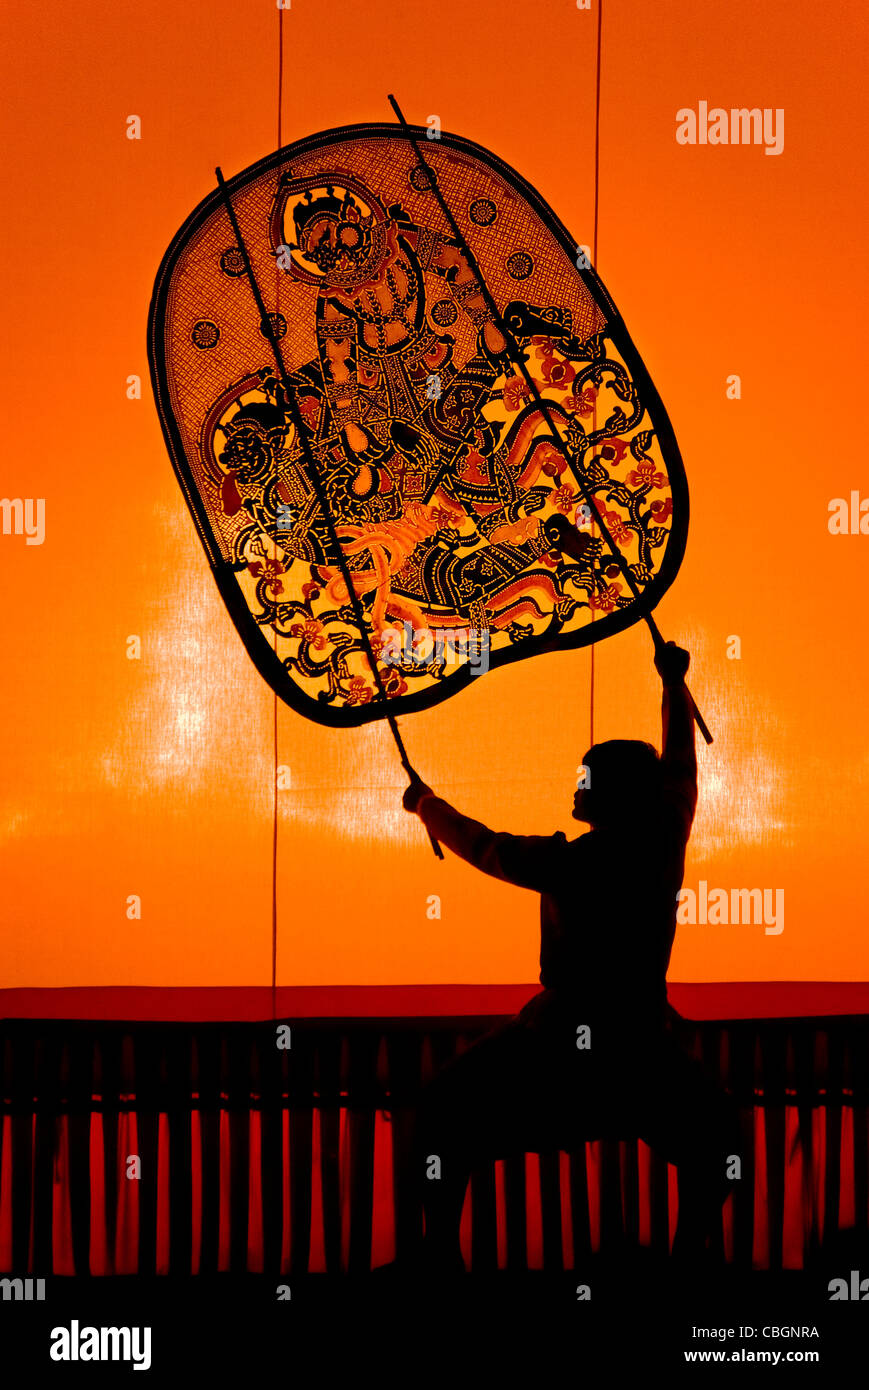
(594, 1055)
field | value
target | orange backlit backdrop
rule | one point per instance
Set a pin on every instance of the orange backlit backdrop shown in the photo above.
(155, 776)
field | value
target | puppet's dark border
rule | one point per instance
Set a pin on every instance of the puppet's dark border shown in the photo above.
(255, 640)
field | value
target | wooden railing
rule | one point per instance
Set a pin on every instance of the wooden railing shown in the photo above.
(155, 1148)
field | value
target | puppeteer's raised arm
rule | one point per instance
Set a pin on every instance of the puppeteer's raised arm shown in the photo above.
(529, 861)
(678, 756)
(465, 837)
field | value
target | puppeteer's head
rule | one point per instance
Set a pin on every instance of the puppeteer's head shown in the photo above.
(621, 784)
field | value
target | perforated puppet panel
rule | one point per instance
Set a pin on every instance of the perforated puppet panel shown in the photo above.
(438, 466)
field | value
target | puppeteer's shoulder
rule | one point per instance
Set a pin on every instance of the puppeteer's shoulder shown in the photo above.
(579, 844)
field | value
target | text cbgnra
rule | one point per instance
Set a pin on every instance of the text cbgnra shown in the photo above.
(76, 1343)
